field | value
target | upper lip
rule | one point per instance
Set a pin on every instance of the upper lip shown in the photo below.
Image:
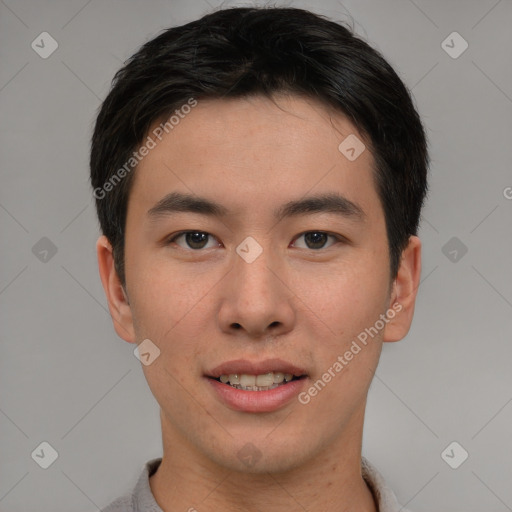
(244, 366)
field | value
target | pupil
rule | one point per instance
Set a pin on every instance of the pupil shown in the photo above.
(315, 240)
(196, 240)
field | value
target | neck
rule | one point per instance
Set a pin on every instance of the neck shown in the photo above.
(331, 481)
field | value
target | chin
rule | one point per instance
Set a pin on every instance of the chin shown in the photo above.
(263, 456)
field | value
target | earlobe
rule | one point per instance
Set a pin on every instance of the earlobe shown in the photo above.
(404, 292)
(117, 298)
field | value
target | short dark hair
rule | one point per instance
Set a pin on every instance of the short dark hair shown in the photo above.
(239, 52)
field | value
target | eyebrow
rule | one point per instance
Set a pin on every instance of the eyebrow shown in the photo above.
(320, 203)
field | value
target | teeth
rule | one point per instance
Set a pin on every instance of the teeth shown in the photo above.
(265, 380)
(278, 377)
(247, 380)
(262, 382)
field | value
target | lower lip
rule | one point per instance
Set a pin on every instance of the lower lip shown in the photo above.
(257, 401)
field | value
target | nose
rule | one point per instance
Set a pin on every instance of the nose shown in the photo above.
(256, 300)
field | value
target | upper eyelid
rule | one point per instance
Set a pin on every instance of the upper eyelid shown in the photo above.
(186, 231)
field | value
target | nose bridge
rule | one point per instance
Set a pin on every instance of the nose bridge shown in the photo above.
(256, 300)
(252, 264)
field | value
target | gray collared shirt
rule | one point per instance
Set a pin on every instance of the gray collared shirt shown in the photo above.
(141, 499)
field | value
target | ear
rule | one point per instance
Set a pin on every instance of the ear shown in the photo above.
(404, 291)
(118, 304)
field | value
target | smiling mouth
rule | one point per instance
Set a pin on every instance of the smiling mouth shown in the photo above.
(262, 382)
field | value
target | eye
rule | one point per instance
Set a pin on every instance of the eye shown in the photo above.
(315, 239)
(193, 239)
(197, 240)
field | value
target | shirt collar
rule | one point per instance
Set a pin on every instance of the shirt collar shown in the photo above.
(384, 496)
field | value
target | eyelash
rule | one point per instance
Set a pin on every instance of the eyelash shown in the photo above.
(174, 237)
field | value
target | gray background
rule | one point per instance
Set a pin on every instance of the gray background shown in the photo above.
(67, 379)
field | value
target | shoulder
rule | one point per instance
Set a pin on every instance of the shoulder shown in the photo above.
(140, 499)
(122, 504)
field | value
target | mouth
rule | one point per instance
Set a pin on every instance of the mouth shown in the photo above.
(263, 386)
(261, 382)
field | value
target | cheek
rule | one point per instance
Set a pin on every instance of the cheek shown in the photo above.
(344, 300)
(170, 309)
(346, 306)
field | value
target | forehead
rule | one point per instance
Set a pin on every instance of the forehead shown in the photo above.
(253, 152)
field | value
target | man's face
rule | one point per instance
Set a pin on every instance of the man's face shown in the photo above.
(247, 286)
